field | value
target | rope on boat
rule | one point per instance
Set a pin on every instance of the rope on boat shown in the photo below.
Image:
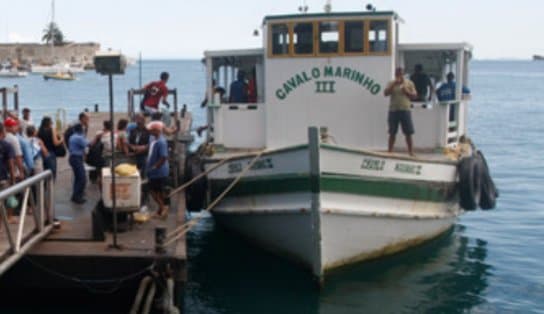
(183, 229)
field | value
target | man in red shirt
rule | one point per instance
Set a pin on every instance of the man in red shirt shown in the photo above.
(154, 92)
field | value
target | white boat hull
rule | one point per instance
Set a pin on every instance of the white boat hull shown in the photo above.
(360, 210)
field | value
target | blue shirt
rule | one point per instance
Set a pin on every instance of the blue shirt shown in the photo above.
(77, 144)
(446, 91)
(6, 153)
(238, 92)
(26, 148)
(158, 148)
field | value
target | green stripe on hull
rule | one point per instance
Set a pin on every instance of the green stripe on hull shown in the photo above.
(420, 191)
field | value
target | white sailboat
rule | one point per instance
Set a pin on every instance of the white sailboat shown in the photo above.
(323, 190)
(59, 67)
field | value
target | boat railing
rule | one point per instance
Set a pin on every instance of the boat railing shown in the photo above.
(448, 117)
(239, 125)
(35, 197)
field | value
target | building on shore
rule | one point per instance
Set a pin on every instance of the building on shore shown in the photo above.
(36, 53)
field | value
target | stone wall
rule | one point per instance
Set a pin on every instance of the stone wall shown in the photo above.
(27, 53)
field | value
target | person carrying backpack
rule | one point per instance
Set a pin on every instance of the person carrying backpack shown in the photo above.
(154, 92)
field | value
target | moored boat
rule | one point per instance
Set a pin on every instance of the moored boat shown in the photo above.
(13, 73)
(60, 76)
(306, 149)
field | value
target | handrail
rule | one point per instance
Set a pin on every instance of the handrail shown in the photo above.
(37, 193)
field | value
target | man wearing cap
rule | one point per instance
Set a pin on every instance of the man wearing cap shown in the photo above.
(7, 168)
(11, 125)
(157, 166)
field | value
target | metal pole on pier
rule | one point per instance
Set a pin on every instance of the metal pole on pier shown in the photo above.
(113, 196)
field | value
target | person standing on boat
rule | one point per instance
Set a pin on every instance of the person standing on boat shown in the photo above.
(76, 146)
(423, 84)
(238, 89)
(154, 92)
(446, 92)
(157, 166)
(401, 91)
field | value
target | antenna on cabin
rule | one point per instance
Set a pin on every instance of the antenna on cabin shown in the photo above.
(328, 7)
(370, 7)
(303, 8)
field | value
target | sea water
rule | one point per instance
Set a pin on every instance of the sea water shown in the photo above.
(491, 262)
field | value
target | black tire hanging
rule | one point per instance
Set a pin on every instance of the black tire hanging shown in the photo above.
(488, 192)
(469, 183)
(195, 194)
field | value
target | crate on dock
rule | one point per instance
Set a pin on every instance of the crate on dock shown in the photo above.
(127, 189)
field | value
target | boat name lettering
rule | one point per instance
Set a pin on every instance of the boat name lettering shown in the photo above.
(408, 168)
(373, 164)
(260, 164)
(327, 86)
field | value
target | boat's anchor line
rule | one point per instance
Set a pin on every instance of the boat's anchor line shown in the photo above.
(183, 229)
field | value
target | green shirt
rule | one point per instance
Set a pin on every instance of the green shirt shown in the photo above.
(399, 100)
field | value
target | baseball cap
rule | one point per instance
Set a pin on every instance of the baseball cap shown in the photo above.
(10, 122)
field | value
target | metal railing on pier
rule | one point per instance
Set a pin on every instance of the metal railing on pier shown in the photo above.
(35, 197)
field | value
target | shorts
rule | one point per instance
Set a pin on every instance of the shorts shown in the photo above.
(150, 110)
(404, 117)
(157, 184)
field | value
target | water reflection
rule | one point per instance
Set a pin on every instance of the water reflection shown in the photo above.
(448, 275)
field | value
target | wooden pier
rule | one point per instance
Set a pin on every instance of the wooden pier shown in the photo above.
(71, 261)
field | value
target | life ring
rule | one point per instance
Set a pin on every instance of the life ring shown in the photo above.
(195, 194)
(488, 191)
(469, 183)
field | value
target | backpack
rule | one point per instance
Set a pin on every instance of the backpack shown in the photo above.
(94, 156)
(69, 132)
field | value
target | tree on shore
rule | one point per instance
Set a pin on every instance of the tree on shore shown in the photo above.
(53, 34)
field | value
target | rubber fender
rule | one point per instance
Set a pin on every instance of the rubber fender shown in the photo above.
(195, 194)
(488, 191)
(469, 183)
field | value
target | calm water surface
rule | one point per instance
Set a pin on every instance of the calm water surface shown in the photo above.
(491, 262)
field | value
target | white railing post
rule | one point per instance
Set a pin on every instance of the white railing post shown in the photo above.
(22, 217)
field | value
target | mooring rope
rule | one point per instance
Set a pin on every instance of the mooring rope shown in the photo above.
(183, 229)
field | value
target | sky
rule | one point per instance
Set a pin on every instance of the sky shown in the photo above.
(181, 29)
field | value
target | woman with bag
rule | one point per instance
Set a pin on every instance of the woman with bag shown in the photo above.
(54, 144)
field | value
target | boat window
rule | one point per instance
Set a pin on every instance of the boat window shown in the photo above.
(303, 34)
(280, 39)
(377, 36)
(353, 36)
(328, 37)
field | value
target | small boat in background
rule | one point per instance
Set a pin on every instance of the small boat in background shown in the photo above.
(538, 58)
(12, 73)
(60, 76)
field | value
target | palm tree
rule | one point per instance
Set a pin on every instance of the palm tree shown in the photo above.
(53, 34)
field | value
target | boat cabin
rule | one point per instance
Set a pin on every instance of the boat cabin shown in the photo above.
(329, 70)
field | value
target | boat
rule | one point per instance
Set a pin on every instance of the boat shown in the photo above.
(60, 76)
(12, 73)
(58, 67)
(538, 57)
(11, 70)
(303, 169)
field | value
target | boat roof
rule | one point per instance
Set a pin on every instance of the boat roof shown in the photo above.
(234, 52)
(435, 46)
(329, 15)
